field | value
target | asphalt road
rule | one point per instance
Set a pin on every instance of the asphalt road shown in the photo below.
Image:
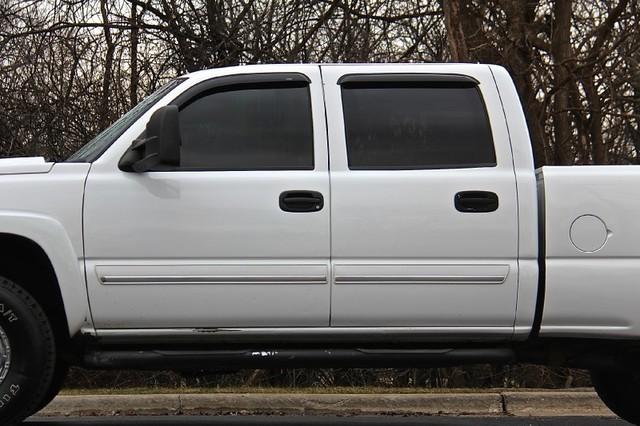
(324, 421)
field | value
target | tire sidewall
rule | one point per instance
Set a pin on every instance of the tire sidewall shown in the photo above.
(618, 391)
(31, 342)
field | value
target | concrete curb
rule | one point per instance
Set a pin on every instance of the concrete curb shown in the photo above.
(486, 404)
(554, 404)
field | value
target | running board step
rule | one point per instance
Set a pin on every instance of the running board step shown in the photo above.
(212, 360)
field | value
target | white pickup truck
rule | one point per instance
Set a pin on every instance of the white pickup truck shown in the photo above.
(317, 216)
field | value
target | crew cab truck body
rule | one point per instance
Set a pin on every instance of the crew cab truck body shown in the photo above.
(317, 215)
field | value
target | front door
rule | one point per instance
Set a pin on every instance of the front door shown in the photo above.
(219, 241)
(424, 215)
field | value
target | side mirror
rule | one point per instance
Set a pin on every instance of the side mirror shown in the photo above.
(159, 145)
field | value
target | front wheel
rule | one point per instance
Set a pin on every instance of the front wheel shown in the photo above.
(27, 353)
(57, 381)
(618, 390)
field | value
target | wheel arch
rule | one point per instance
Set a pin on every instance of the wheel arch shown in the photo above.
(37, 253)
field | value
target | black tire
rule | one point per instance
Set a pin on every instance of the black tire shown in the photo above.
(59, 376)
(32, 351)
(618, 391)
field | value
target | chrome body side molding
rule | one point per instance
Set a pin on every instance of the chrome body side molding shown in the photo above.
(211, 279)
(421, 279)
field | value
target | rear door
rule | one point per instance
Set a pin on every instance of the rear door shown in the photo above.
(424, 212)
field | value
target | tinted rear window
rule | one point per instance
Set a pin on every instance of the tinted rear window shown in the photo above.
(416, 126)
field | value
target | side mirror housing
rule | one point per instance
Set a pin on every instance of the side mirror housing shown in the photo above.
(159, 145)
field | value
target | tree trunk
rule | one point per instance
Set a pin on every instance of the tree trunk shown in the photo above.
(519, 60)
(455, 32)
(561, 51)
(105, 116)
(133, 53)
(598, 149)
(635, 122)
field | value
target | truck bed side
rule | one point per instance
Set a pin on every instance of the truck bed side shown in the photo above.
(592, 251)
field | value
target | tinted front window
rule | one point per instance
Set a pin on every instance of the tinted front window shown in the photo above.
(416, 126)
(250, 127)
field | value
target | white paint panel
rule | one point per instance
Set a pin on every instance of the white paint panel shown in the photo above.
(47, 209)
(209, 224)
(200, 215)
(408, 217)
(595, 297)
(24, 165)
(592, 294)
(250, 303)
(527, 198)
(428, 301)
